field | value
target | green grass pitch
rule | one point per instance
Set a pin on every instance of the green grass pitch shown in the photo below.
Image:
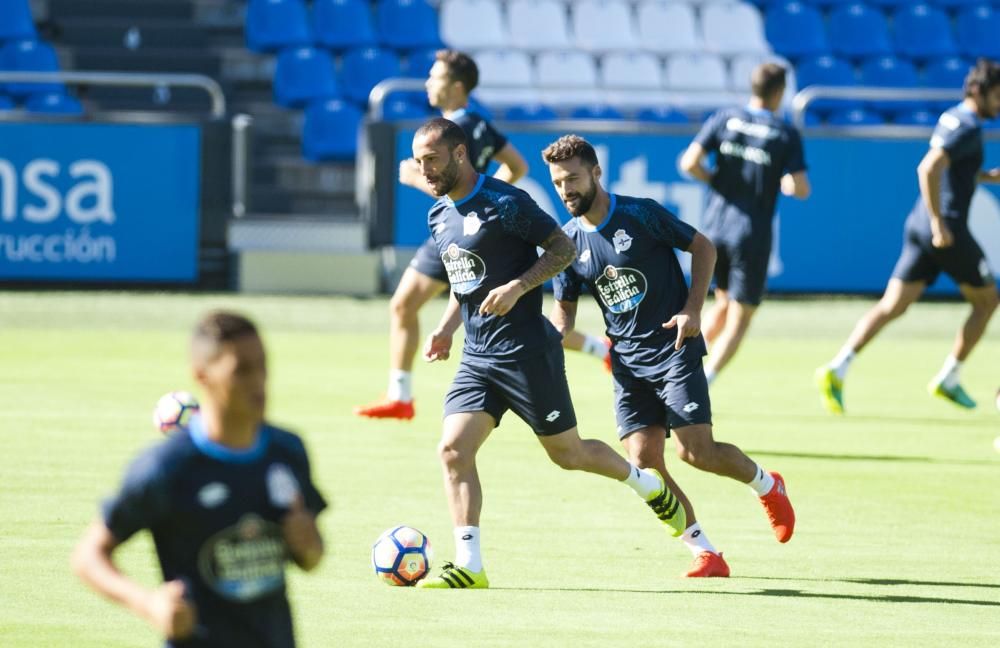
(898, 536)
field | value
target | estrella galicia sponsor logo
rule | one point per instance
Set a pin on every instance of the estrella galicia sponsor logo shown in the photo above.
(621, 289)
(466, 270)
(245, 561)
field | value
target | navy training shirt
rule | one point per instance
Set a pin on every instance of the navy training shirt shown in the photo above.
(754, 149)
(629, 265)
(215, 516)
(485, 240)
(482, 139)
(959, 133)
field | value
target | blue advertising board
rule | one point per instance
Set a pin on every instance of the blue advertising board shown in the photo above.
(99, 202)
(844, 238)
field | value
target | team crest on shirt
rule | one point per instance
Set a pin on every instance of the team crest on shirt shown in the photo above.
(585, 256)
(471, 224)
(466, 270)
(621, 289)
(282, 487)
(622, 241)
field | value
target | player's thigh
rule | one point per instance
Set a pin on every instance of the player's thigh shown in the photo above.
(900, 295)
(694, 440)
(465, 432)
(638, 406)
(535, 388)
(471, 391)
(419, 284)
(739, 314)
(980, 296)
(684, 389)
(646, 444)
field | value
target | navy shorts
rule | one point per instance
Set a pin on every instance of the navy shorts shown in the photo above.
(673, 394)
(534, 387)
(741, 268)
(963, 261)
(428, 262)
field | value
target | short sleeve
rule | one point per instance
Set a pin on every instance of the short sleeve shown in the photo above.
(709, 136)
(954, 137)
(796, 160)
(142, 500)
(665, 227)
(522, 217)
(314, 500)
(496, 139)
(566, 285)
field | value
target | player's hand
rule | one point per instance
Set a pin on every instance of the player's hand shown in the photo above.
(788, 185)
(941, 236)
(501, 299)
(171, 613)
(298, 528)
(409, 173)
(437, 347)
(687, 325)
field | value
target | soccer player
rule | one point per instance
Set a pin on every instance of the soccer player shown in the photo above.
(756, 154)
(625, 258)
(452, 78)
(488, 232)
(227, 501)
(936, 238)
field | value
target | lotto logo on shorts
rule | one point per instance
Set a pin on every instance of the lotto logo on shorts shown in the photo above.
(553, 415)
(690, 407)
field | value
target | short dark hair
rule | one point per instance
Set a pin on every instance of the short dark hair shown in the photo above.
(448, 131)
(216, 328)
(983, 76)
(766, 79)
(568, 147)
(461, 68)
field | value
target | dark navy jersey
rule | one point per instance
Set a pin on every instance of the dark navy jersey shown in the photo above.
(215, 516)
(754, 148)
(628, 264)
(958, 133)
(485, 240)
(482, 139)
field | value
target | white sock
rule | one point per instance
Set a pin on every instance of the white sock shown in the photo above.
(595, 346)
(842, 361)
(710, 375)
(696, 540)
(762, 483)
(467, 548)
(642, 482)
(400, 386)
(949, 372)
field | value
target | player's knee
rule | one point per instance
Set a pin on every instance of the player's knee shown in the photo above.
(453, 456)
(566, 458)
(698, 455)
(402, 307)
(987, 303)
(892, 309)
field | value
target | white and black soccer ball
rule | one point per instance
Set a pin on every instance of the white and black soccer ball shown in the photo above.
(173, 411)
(401, 556)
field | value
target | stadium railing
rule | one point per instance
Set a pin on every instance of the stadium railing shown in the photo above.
(811, 94)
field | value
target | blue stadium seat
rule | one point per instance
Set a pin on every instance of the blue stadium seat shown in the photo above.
(922, 32)
(858, 30)
(304, 74)
(407, 24)
(343, 24)
(53, 103)
(891, 72)
(662, 115)
(6, 103)
(530, 112)
(364, 68)
(952, 4)
(272, 25)
(29, 56)
(595, 112)
(979, 31)
(855, 118)
(15, 20)
(828, 71)
(398, 109)
(890, 4)
(915, 118)
(417, 63)
(795, 29)
(946, 73)
(330, 130)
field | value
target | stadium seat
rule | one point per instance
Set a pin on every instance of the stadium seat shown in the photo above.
(695, 72)
(632, 70)
(330, 131)
(343, 24)
(472, 24)
(407, 24)
(922, 32)
(302, 75)
(565, 69)
(946, 73)
(417, 63)
(661, 115)
(857, 31)
(979, 32)
(272, 25)
(827, 71)
(53, 103)
(603, 25)
(890, 72)
(795, 29)
(655, 17)
(15, 20)
(6, 103)
(504, 68)
(952, 4)
(733, 28)
(598, 111)
(530, 112)
(29, 56)
(855, 118)
(363, 69)
(399, 109)
(915, 118)
(537, 24)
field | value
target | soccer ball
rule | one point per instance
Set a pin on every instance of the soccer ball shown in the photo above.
(401, 556)
(173, 411)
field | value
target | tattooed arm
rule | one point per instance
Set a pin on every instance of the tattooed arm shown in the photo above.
(559, 253)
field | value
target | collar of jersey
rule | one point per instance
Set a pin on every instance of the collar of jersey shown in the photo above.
(455, 114)
(586, 227)
(758, 112)
(466, 198)
(969, 111)
(220, 452)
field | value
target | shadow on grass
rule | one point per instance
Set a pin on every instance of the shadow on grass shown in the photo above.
(862, 457)
(879, 581)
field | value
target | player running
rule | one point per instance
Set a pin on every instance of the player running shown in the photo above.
(452, 78)
(756, 154)
(228, 502)
(936, 238)
(625, 258)
(487, 233)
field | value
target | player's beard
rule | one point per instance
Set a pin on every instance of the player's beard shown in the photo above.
(583, 201)
(445, 181)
